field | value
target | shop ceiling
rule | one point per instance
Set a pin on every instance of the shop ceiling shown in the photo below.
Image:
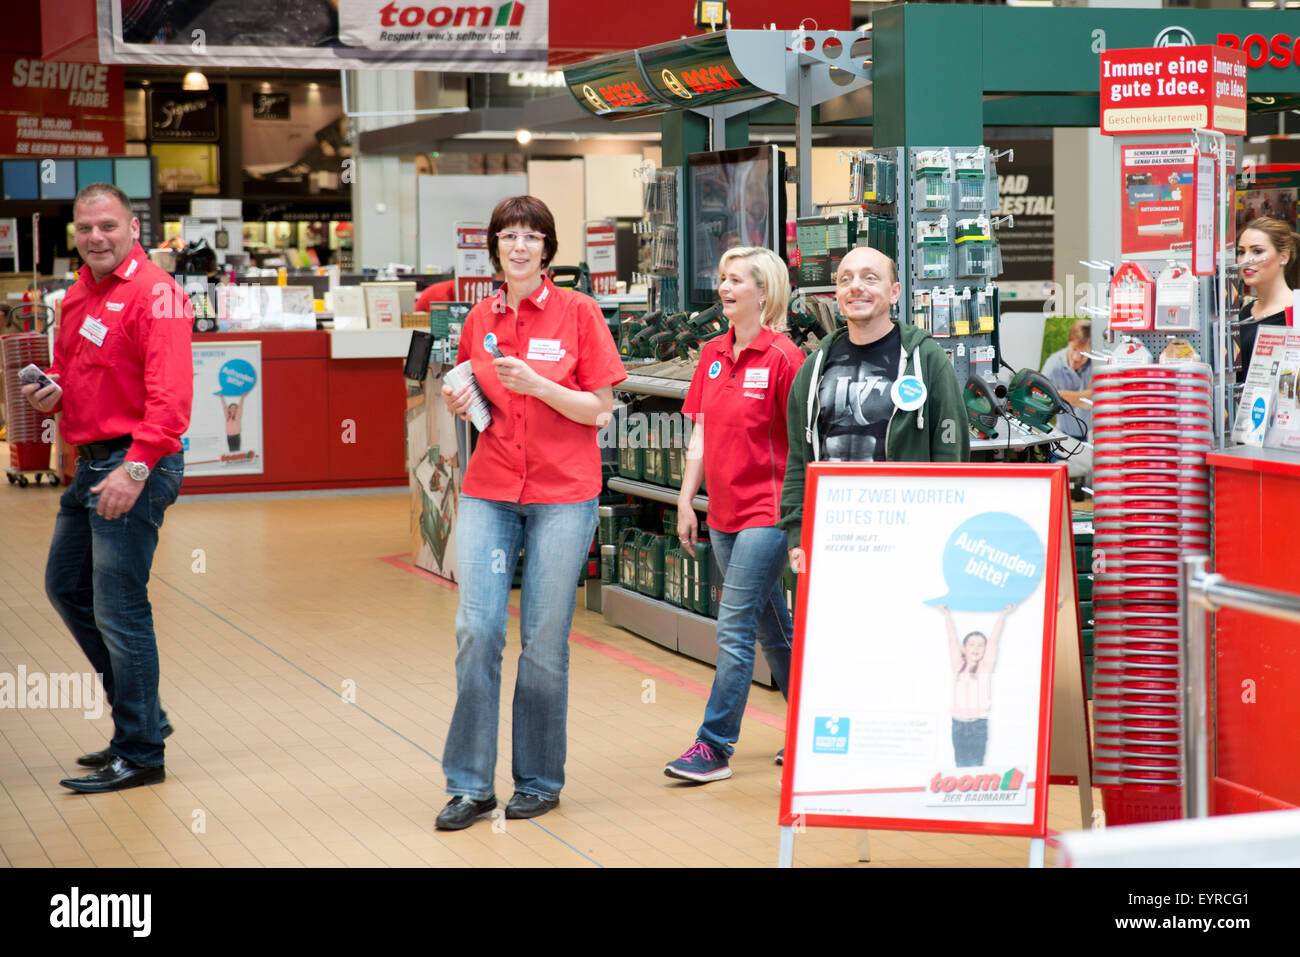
(940, 74)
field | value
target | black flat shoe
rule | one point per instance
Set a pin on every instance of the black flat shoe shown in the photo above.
(116, 775)
(97, 759)
(523, 806)
(462, 811)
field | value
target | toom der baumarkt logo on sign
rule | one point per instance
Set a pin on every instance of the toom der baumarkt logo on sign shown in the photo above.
(1174, 87)
(454, 31)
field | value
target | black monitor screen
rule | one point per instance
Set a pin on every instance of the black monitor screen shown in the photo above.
(736, 199)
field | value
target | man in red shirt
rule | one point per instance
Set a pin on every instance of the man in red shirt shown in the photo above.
(124, 381)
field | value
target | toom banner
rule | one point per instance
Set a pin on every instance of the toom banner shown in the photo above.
(1173, 88)
(491, 37)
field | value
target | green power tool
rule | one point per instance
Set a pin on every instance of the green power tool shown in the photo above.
(984, 406)
(1033, 400)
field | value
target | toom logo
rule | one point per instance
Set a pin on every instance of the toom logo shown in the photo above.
(1278, 50)
(1006, 788)
(507, 15)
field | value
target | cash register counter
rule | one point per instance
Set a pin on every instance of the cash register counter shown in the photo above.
(317, 385)
(1256, 659)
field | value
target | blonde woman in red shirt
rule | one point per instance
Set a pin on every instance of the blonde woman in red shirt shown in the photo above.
(740, 441)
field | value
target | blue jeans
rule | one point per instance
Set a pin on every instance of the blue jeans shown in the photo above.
(97, 579)
(556, 540)
(751, 561)
(969, 741)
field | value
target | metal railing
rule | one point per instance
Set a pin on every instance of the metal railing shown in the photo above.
(1199, 594)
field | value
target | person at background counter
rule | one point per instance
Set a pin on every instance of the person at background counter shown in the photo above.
(546, 363)
(737, 400)
(875, 391)
(444, 291)
(1272, 250)
(1070, 370)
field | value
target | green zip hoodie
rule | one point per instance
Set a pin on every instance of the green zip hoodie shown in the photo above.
(937, 432)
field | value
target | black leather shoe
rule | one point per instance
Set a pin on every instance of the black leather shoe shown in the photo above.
(462, 811)
(97, 759)
(523, 806)
(117, 775)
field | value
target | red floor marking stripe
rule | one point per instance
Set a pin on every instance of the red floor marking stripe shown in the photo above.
(626, 658)
(402, 562)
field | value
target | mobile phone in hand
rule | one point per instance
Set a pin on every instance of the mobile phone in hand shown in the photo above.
(31, 374)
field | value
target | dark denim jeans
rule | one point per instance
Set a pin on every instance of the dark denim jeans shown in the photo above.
(969, 741)
(555, 540)
(751, 606)
(97, 579)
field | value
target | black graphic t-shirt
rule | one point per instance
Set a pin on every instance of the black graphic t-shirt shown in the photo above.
(855, 399)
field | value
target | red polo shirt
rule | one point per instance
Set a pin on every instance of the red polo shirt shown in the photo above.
(437, 292)
(532, 454)
(741, 404)
(123, 358)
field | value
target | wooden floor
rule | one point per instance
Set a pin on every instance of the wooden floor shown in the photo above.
(272, 612)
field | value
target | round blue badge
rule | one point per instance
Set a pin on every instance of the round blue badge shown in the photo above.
(908, 393)
(1257, 409)
(490, 344)
(715, 369)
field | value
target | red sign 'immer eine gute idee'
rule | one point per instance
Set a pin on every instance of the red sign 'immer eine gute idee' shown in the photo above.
(1157, 90)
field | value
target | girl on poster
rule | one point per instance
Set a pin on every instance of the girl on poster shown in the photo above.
(973, 661)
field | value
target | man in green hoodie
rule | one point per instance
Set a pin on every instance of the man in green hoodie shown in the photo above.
(875, 391)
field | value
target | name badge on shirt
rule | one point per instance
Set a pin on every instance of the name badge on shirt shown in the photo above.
(756, 378)
(94, 330)
(545, 350)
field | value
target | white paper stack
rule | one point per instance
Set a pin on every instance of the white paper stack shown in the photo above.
(479, 413)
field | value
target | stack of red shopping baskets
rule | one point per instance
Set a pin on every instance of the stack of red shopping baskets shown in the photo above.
(1152, 425)
(27, 453)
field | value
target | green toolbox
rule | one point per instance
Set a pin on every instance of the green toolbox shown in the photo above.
(631, 462)
(699, 597)
(652, 469)
(650, 564)
(627, 546)
(613, 519)
(674, 569)
(609, 564)
(688, 579)
(676, 465)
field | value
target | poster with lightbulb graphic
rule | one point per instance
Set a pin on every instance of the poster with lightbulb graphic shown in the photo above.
(225, 433)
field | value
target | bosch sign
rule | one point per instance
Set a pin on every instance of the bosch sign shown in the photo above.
(624, 94)
(1278, 50)
(709, 79)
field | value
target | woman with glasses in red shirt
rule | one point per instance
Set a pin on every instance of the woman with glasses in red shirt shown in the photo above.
(546, 364)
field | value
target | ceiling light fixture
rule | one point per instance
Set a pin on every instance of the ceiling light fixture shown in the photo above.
(523, 137)
(194, 81)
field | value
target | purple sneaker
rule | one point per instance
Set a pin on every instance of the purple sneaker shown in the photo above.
(699, 763)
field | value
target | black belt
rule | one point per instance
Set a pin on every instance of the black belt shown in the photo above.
(94, 451)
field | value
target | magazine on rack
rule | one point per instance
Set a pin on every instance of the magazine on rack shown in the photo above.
(1269, 412)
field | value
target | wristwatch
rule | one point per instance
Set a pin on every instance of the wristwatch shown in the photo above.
(137, 470)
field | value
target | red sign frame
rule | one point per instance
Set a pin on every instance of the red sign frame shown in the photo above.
(1057, 547)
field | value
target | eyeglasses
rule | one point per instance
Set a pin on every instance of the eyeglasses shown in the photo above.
(528, 239)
